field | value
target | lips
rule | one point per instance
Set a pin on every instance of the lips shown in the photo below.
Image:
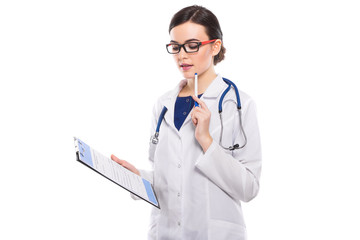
(185, 67)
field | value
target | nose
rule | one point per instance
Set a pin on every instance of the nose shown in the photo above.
(182, 54)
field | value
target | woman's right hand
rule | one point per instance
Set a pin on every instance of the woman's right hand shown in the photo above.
(125, 164)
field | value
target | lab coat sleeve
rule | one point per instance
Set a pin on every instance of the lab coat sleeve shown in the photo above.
(236, 173)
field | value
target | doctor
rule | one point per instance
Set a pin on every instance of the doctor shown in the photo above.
(199, 184)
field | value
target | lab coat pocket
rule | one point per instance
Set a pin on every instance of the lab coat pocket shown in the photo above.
(219, 230)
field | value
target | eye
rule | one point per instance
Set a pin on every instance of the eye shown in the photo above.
(193, 45)
(174, 47)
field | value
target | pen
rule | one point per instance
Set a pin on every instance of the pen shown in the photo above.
(196, 88)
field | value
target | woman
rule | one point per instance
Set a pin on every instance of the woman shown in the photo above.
(199, 184)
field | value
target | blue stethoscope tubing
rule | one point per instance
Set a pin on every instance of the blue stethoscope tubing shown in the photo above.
(235, 146)
(155, 138)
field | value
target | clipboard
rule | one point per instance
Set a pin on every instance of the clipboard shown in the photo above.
(114, 172)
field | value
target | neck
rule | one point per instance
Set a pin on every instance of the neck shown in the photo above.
(204, 80)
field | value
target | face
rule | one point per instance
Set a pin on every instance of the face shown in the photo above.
(199, 62)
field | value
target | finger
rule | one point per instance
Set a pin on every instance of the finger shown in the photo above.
(116, 159)
(200, 113)
(127, 166)
(196, 99)
(199, 110)
(123, 163)
(199, 117)
(193, 118)
(200, 102)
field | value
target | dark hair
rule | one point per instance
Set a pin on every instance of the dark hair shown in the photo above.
(200, 15)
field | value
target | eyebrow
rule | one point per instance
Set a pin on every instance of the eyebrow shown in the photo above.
(189, 40)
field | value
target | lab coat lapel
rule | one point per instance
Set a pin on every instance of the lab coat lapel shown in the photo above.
(169, 103)
(213, 91)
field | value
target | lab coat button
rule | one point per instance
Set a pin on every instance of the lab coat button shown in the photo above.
(178, 194)
(179, 224)
(179, 166)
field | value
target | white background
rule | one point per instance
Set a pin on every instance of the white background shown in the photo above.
(94, 69)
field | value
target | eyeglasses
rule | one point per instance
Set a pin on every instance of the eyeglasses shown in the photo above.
(189, 47)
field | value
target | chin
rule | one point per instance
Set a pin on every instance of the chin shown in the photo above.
(188, 74)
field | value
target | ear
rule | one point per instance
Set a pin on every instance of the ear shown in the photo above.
(216, 47)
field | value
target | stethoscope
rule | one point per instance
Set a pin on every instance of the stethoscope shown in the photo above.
(155, 138)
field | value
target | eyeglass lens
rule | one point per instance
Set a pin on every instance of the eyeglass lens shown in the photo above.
(189, 47)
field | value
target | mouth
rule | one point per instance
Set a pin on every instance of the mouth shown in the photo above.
(185, 67)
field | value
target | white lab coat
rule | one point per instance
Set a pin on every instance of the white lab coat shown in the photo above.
(200, 193)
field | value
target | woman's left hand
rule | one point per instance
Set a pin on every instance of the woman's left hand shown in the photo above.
(200, 117)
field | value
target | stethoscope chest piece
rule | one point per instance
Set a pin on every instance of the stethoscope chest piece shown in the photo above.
(155, 138)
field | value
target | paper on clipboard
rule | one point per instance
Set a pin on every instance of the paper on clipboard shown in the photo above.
(115, 172)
